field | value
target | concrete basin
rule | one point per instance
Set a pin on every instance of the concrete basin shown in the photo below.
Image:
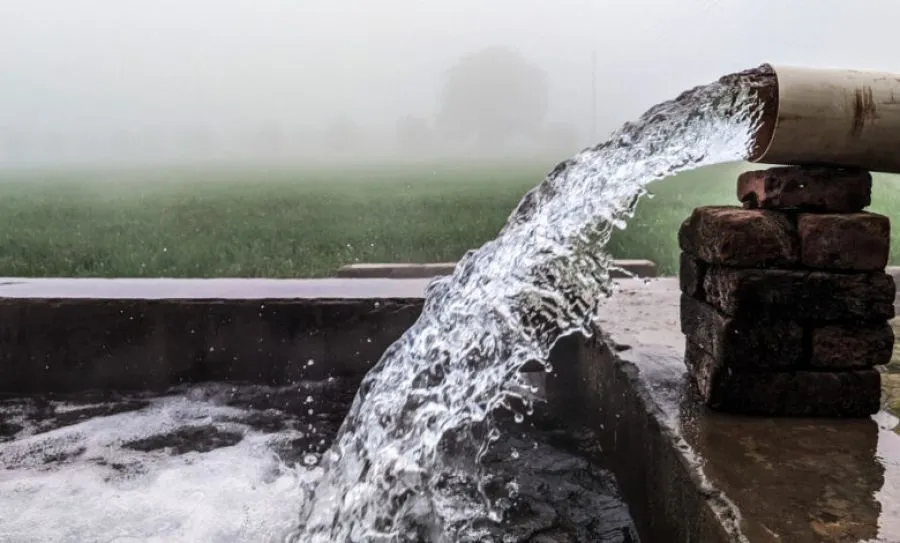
(688, 474)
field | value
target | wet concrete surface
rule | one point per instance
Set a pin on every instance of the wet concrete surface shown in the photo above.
(890, 376)
(209, 289)
(695, 475)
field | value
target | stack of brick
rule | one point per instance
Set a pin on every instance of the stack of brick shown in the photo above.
(785, 303)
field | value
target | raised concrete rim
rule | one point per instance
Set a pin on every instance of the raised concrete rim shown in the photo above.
(407, 270)
(211, 289)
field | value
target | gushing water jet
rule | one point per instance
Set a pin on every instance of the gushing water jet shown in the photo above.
(406, 461)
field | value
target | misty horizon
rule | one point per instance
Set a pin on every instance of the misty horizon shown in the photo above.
(101, 80)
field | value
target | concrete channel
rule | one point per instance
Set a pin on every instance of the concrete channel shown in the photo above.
(688, 475)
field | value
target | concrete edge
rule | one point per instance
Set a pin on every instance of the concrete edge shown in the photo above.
(637, 267)
(668, 501)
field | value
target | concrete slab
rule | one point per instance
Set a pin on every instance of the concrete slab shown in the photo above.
(396, 270)
(210, 289)
(640, 268)
(893, 271)
(694, 475)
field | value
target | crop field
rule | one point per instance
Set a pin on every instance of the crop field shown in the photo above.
(304, 222)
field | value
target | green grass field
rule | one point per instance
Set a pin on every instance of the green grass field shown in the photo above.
(290, 222)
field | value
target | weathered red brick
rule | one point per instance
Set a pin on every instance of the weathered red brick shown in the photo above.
(690, 276)
(851, 394)
(810, 188)
(732, 236)
(754, 344)
(854, 241)
(801, 296)
(848, 346)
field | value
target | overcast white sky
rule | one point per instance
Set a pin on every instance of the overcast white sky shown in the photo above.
(87, 65)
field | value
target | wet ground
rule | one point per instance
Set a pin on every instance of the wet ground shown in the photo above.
(890, 378)
(229, 463)
(766, 479)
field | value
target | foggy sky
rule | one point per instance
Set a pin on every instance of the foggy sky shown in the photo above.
(90, 68)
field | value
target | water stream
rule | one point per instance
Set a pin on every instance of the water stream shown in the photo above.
(406, 463)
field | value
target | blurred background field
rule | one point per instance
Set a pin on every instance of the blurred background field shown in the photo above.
(305, 222)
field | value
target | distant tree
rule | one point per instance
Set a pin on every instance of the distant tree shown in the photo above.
(493, 95)
(413, 133)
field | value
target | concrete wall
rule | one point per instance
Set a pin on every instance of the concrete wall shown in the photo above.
(70, 344)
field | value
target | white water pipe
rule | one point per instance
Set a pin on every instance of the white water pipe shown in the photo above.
(831, 117)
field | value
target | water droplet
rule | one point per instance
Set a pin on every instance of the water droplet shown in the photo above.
(310, 460)
(513, 489)
(515, 454)
(519, 418)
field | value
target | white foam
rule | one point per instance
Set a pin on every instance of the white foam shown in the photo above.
(240, 493)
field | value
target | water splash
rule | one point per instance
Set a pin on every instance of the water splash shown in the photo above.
(405, 465)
